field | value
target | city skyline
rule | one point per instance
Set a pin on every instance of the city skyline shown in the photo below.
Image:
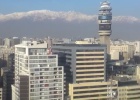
(69, 50)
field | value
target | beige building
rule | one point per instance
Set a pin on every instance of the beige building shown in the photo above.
(93, 91)
(1, 93)
(128, 87)
(115, 55)
(129, 92)
(85, 68)
(125, 50)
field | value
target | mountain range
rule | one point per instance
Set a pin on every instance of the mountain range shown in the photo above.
(71, 24)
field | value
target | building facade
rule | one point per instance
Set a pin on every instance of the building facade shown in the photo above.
(8, 78)
(137, 47)
(131, 92)
(85, 68)
(37, 74)
(93, 91)
(125, 50)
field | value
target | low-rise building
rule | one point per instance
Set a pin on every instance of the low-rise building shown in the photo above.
(93, 91)
(129, 90)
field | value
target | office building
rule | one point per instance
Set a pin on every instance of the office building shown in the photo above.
(8, 78)
(85, 68)
(37, 74)
(125, 50)
(104, 20)
(93, 91)
(131, 92)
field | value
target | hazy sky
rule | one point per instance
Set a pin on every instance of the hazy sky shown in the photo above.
(120, 7)
(41, 18)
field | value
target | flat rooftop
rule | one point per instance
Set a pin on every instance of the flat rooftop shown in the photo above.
(80, 45)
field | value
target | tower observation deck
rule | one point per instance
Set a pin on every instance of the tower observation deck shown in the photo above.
(104, 20)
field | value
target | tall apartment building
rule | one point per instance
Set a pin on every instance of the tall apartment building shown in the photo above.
(85, 68)
(37, 74)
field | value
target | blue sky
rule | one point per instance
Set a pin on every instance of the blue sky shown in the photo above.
(120, 7)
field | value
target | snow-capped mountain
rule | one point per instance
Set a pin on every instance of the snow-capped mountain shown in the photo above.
(40, 23)
(40, 15)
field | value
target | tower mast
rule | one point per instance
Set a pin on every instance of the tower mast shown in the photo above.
(104, 20)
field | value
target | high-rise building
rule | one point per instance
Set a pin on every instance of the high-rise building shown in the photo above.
(104, 20)
(85, 68)
(37, 74)
(8, 78)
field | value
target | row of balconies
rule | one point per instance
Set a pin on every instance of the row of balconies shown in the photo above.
(39, 81)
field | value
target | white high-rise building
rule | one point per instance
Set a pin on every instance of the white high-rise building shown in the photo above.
(37, 74)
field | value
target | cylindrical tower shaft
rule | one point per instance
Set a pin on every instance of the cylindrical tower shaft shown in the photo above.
(104, 20)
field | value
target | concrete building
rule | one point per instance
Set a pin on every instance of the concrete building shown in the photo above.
(114, 55)
(8, 78)
(131, 92)
(7, 42)
(1, 93)
(125, 50)
(37, 74)
(93, 91)
(137, 47)
(128, 88)
(104, 19)
(85, 68)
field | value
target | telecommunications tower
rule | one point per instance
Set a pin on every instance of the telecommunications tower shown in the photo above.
(104, 20)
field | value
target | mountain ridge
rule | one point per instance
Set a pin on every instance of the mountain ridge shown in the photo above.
(41, 15)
